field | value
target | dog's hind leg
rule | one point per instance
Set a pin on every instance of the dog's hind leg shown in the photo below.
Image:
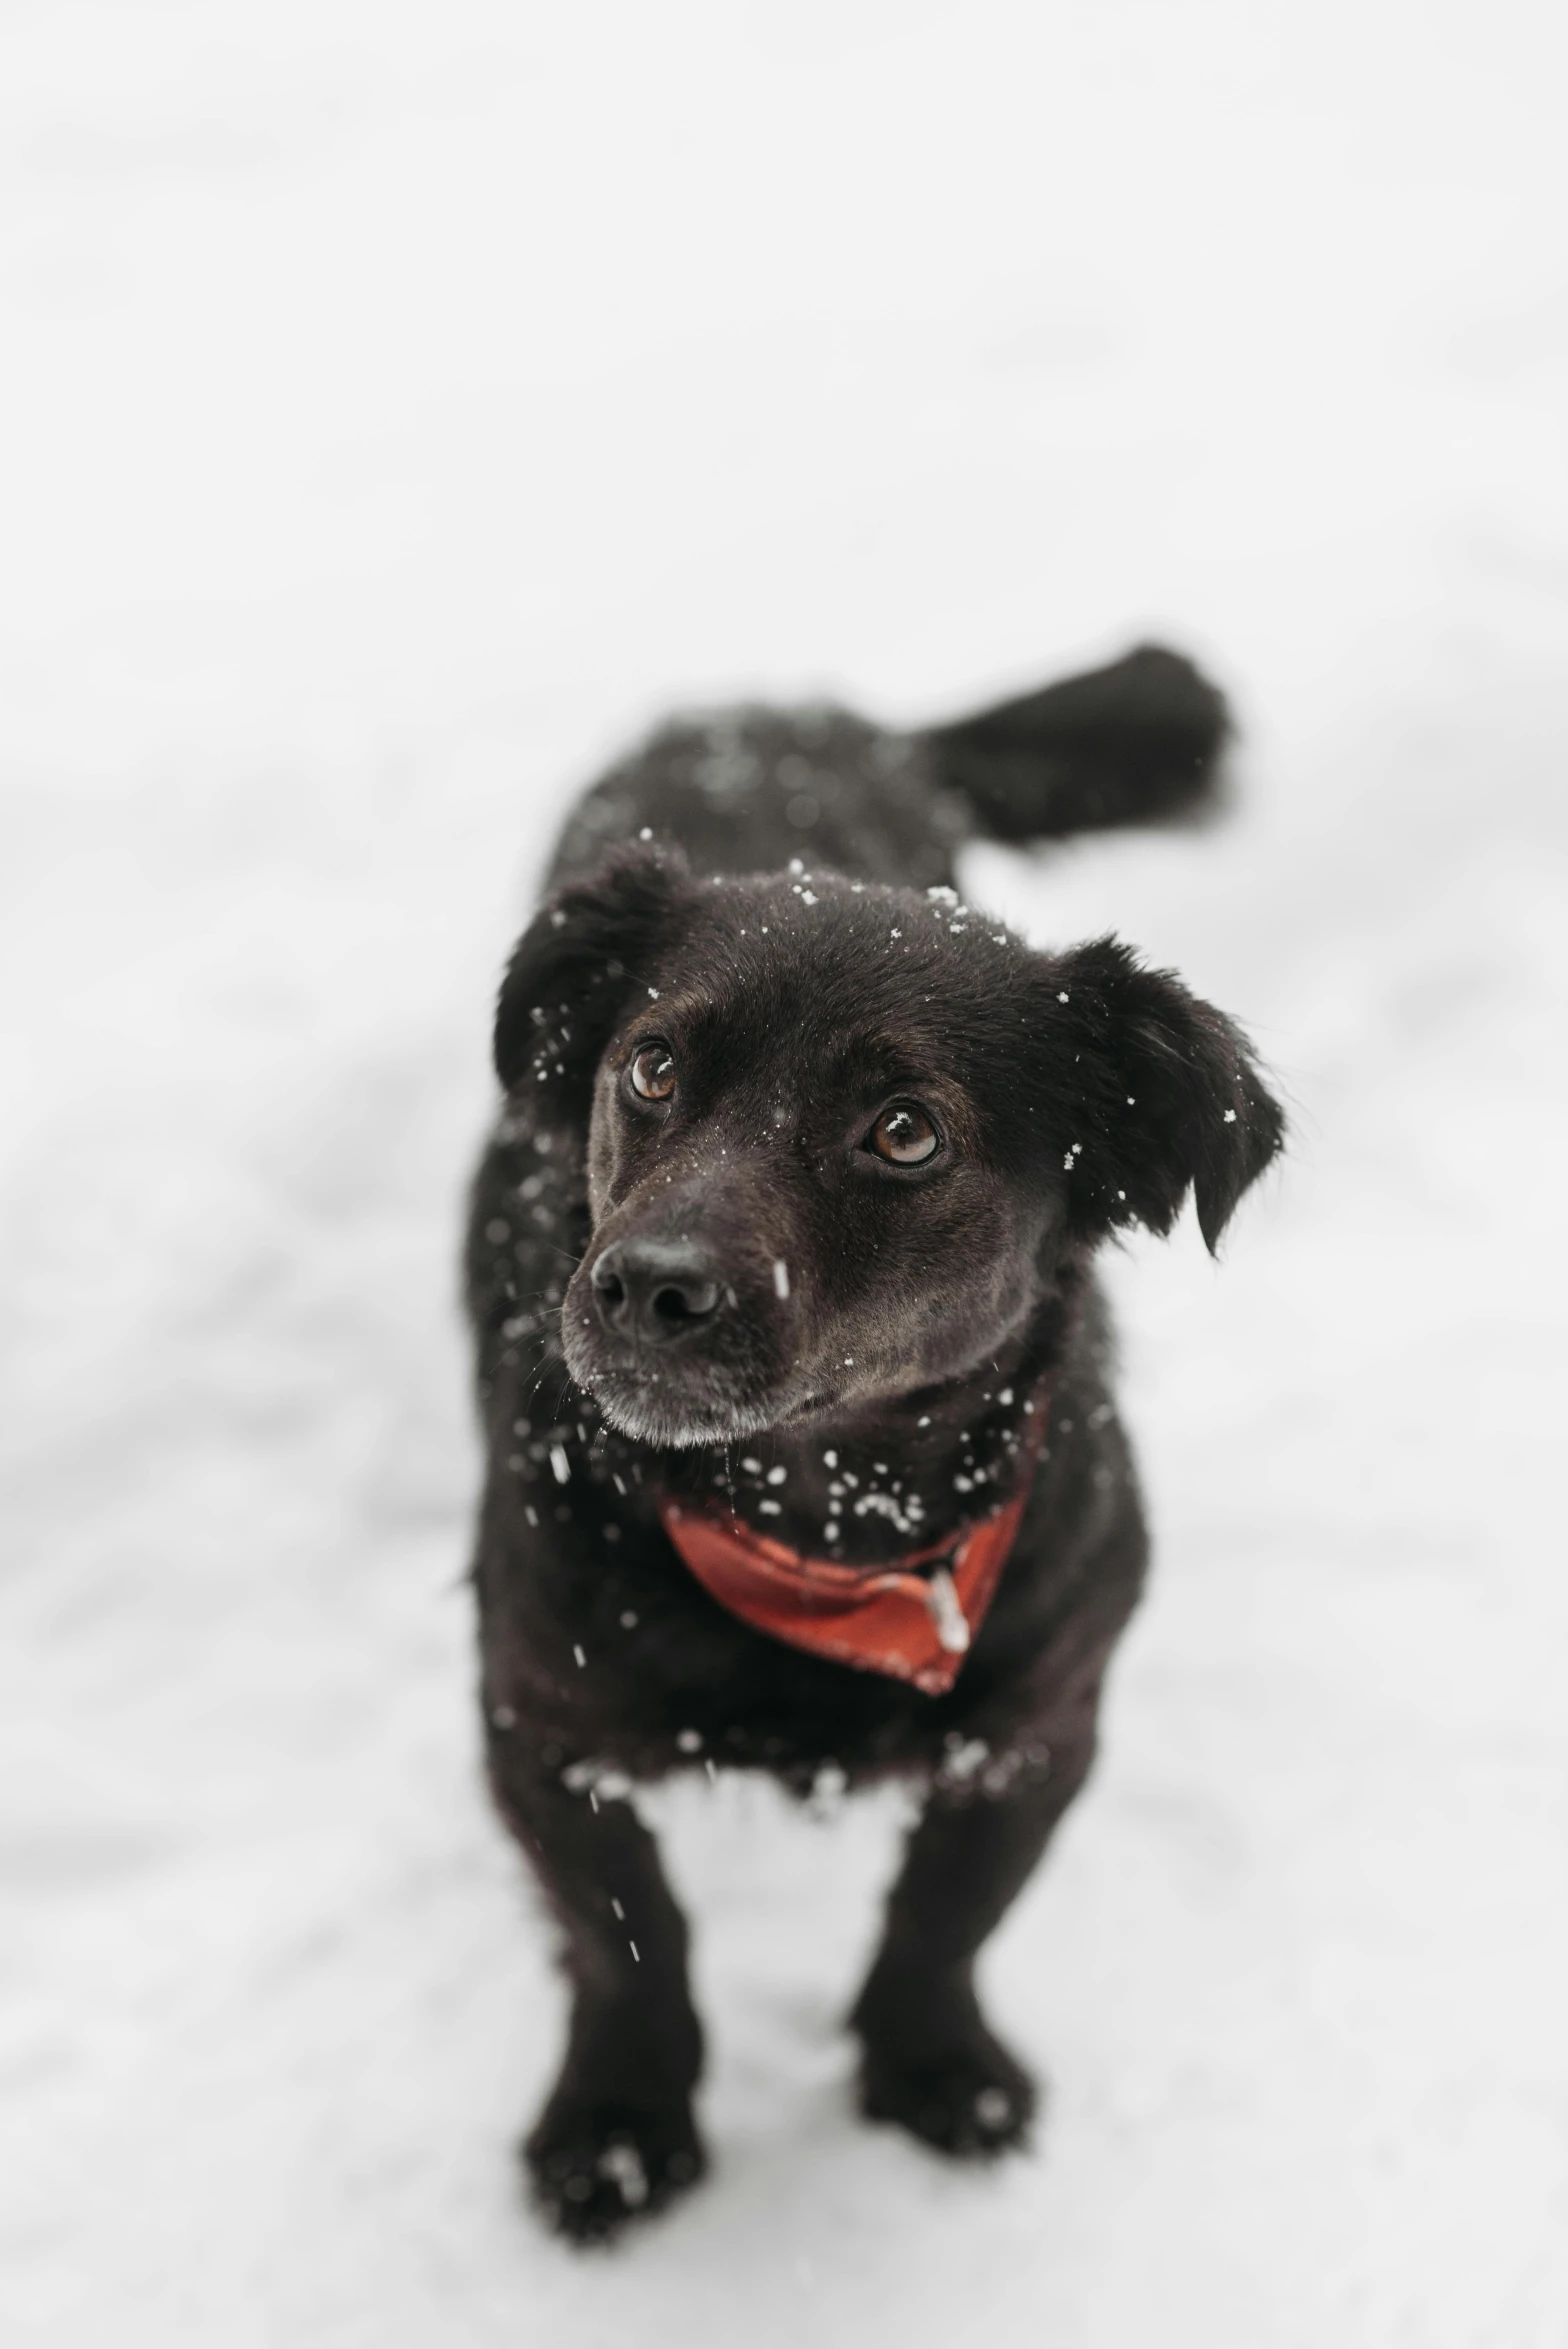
(616, 2136)
(928, 2060)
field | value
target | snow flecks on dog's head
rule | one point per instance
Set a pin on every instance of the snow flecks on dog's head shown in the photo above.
(890, 1094)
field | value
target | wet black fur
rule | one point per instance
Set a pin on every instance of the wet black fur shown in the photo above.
(926, 1308)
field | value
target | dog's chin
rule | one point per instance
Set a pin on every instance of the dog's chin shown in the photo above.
(654, 1403)
(675, 1422)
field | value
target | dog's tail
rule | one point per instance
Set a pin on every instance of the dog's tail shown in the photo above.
(1139, 742)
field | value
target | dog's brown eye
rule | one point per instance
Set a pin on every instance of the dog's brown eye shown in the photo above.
(903, 1135)
(653, 1072)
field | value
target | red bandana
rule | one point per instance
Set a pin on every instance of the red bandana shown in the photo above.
(892, 1619)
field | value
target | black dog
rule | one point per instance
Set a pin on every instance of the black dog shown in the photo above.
(802, 1455)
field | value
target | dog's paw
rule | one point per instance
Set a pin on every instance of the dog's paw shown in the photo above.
(595, 2163)
(968, 2098)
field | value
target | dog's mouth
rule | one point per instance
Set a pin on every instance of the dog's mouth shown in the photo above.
(683, 1405)
(650, 1408)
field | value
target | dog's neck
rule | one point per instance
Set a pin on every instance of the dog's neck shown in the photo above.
(897, 1476)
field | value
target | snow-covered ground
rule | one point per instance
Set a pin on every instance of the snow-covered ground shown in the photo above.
(400, 404)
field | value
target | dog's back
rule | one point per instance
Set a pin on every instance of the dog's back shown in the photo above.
(745, 790)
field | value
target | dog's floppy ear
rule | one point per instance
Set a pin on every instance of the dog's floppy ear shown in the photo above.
(1162, 1092)
(584, 954)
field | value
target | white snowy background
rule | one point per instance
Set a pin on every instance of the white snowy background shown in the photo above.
(400, 405)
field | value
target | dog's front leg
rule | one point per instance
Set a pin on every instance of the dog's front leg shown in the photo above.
(928, 2059)
(616, 2135)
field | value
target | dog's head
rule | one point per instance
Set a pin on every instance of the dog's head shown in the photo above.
(843, 1141)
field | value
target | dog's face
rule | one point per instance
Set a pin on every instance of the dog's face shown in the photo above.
(842, 1140)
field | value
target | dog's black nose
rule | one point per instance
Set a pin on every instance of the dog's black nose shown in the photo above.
(655, 1289)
